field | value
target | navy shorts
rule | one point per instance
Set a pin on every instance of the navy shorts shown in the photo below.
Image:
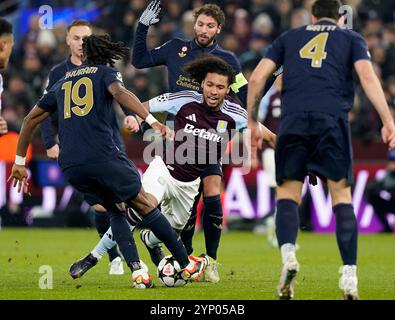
(315, 144)
(106, 183)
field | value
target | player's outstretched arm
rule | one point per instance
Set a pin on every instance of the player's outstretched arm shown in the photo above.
(141, 57)
(373, 90)
(132, 103)
(150, 14)
(30, 123)
(127, 99)
(256, 84)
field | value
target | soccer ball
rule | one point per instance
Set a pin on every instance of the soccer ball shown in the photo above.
(169, 272)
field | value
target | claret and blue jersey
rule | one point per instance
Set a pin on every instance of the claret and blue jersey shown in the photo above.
(199, 130)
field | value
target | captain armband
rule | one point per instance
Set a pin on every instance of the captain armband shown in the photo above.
(240, 81)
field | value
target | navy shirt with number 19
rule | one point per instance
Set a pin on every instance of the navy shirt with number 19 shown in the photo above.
(85, 115)
(50, 125)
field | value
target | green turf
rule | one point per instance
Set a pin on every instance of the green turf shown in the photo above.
(250, 268)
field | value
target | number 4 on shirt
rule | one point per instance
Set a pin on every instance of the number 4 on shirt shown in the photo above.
(315, 50)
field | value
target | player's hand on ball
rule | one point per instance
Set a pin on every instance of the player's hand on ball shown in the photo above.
(19, 174)
(131, 124)
(150, 14)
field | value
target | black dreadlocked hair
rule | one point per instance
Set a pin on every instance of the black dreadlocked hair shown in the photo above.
(98, 49)
(207, 63)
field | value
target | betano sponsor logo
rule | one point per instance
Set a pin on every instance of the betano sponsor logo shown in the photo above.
(202, 133)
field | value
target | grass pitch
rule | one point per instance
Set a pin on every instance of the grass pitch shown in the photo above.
(250, 268)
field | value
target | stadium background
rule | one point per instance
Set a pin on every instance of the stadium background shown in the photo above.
(250, 28)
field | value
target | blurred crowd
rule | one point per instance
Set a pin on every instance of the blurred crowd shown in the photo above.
(251, 25)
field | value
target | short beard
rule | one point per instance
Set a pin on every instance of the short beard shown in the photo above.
(210, 40)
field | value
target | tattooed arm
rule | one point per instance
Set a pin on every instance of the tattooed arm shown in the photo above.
(255, 87)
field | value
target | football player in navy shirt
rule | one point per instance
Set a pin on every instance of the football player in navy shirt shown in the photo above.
(90, 159)
(76, 31)
(314, 132)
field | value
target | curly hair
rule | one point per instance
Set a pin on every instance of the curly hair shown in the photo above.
(207, 63)
(98, 49)
(211, 10)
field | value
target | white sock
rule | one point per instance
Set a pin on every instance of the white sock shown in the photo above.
(286, 250)
(96, 254)
(105, 244)
(152, 240)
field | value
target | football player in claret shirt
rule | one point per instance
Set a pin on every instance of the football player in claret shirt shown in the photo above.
(204, 124)
(89, 158)
(175, 54)
(314, 132)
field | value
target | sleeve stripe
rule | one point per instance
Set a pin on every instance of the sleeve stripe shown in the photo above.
(235, 107)
(180, 96)
(186, 93)
(235, 111)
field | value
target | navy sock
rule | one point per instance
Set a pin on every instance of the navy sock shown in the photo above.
(123, 237)
(212, 224)
(162, 229)
(346, 233)
(102, 223)
(189, 229)
(287, 221)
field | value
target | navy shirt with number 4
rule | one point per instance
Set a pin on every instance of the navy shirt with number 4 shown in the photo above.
(85, 114)
(318, 61)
